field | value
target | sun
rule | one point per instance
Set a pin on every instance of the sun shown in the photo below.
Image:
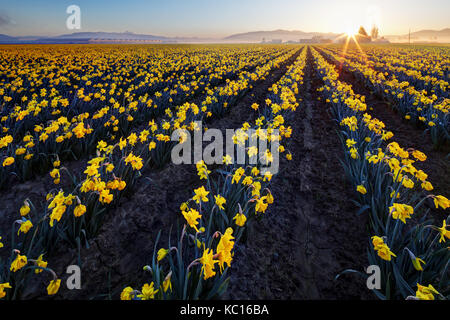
(351, 31)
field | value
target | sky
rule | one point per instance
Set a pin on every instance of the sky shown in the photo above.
(219, 18)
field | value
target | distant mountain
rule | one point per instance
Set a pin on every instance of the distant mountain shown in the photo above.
(248, 37)
(110, 35)
(283, 35)
(7, 39)
(424, 36)
(86, 37)
(432, 33)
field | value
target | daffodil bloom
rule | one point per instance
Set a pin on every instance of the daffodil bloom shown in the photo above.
(4, 286)
(240, 219)
(441, 201)
(444, 232)
(162, 253)
(227, 160)
(382, 249)
(426, 293)
(132, 138)
(224, 248)
(167, 284)
(269, 198)
(109, 167)
(248, 180)
(220, 201)
(417, 264)
(24, 210)
(350, 143)
(202, 170)
(8, 161)
(393, 193)
(384, 252)
(376, 241)
(237, 175)
(401, 211)
(427, 186)
(101, 145)
(261, 206)
(91, 170)
(354, 153)
(135, 161)
(191, 217)
(18, 263)
(256, 188)
(25, 226)
(79, 210)
(419, 155)
(57, 213)
(40, 263)
(20, 151)
(267, 176)
(361, 189)
(422, 176)
(207, 260)
(252, 151)
(122, 143)
(127, 293)
(200, 195)
(184, 206)
(148, 292)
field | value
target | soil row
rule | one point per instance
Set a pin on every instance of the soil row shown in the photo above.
(311, 233)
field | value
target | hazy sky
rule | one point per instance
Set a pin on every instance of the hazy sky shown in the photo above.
(221, 18)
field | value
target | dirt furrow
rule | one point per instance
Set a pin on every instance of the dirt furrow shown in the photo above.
(311, 232)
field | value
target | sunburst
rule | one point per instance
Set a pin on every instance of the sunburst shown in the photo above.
(350, 35)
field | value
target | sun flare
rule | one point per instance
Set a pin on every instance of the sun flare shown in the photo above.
(351, 31)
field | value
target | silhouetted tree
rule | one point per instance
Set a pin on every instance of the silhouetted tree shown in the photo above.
(362, 31)
(374, 32)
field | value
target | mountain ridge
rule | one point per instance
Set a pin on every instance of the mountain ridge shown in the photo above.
(245, 37)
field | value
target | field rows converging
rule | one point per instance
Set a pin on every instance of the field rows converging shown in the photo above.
(224, 171)
(429, 112)
(436, 165)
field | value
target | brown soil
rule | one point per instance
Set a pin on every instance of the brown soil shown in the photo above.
(311, 232)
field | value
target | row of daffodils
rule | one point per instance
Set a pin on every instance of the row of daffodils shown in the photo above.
(428, 111)
(195, 265)
(411, 252)
(74, 212)
(72, 100)
(423, 68)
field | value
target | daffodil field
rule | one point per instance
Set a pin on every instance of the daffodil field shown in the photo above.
(85, 130)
